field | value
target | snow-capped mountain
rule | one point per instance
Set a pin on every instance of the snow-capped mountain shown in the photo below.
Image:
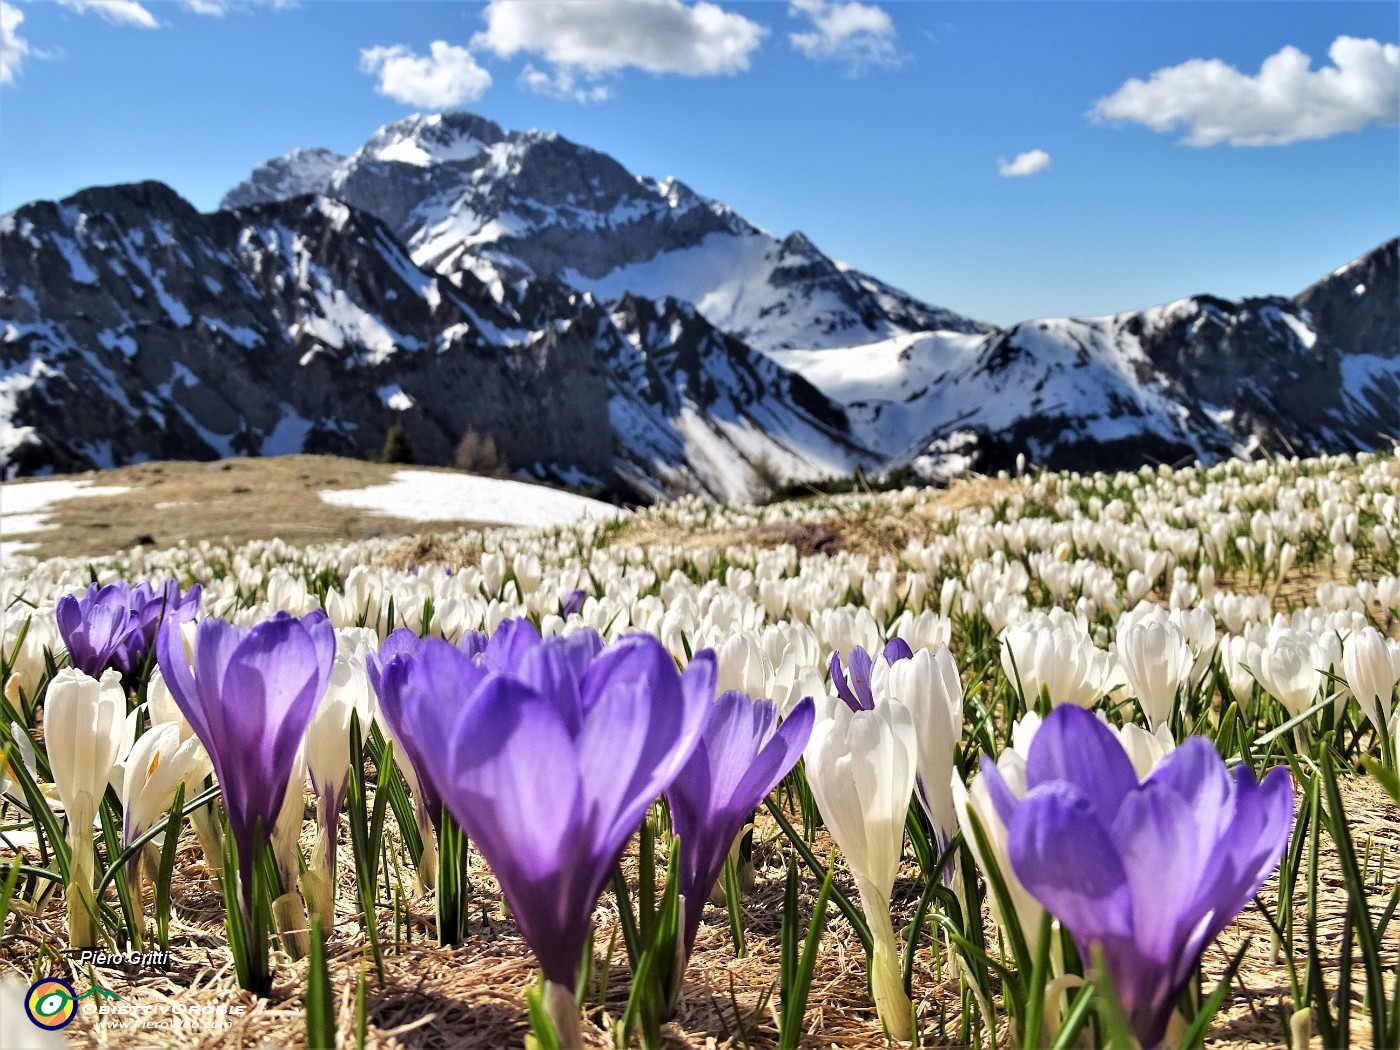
(612, 330)
(466, 196)
(133, 327)
(1200, 378)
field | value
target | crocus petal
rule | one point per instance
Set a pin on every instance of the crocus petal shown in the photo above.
(897, 649)
(1196, 774)
(838, 682)
(861, 672)
(1066, 859)
(1079, 749)
(532, 829)
(179, 679)
(778, 756)
(509, 643)
(1250, 846)
(643, 721)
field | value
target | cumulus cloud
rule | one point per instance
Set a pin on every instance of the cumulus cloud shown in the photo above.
(13, 47)
(854, 34)
(1286, 101)
(447, 76)
(118, 12)
(603, 36)
(562, 83)
(1027, 163)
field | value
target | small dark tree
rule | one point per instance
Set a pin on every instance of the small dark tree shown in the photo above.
(397, 447)
(477, 453)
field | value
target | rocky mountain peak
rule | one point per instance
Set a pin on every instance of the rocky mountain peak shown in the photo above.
(302, 171)
(424, 140)
(1355, 306)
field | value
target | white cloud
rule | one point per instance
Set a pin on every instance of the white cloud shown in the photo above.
(603, 36)
(13, 47)
(118, 12)
(857, 35)
(219, 8)
(1027, 163)
(447, 77)
(561, 82)
(1285, 102)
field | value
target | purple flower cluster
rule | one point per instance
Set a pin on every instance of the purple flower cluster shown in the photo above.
(116, 625)
(548, 753)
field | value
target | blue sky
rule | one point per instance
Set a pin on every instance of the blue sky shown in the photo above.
(880, 130)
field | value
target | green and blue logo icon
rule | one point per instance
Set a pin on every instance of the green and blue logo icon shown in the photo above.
(52, 1004)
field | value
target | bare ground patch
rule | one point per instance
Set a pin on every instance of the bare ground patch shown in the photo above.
(883, 528)
(231, 501)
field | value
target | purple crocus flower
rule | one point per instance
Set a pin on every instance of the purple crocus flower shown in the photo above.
(249, 698)
(437, 703)
(115, 625)
(550, 765)
(572, 602)
(1150, 871)
(856, 690)
(94, 626)
(742, 756)
(150, 606)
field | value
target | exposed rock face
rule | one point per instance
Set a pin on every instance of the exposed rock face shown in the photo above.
(707, 413)
(464, 195)
(611, 330)
(135, 328)
(300, 173)
(143, 329)
(1198, 378)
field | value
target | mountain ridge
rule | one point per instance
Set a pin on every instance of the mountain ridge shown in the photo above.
(451, 275)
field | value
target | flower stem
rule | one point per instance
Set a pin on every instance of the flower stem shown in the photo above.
(886, 964)
(562, 1008)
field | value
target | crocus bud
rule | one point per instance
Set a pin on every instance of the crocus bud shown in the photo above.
(1157, 662)
(860, 766)
(1366, 664)
(84, 728)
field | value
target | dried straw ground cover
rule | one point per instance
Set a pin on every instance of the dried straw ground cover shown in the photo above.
(1261, 589)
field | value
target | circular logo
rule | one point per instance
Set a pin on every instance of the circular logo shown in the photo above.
(51, 1003)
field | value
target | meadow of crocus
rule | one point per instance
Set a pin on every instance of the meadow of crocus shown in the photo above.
(1072, 761)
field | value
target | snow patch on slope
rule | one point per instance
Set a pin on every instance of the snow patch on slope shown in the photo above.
(423, 495)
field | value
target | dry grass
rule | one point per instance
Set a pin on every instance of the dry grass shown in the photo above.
(881, 529)
(471, 997)
(229, 501)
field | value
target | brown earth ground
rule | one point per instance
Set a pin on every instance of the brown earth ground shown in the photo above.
(229, 501)
(471, 997)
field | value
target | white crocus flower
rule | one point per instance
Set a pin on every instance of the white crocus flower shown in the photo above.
(1157, 662)
(929, 685)
(288, 912)
(84, 729)
(743, 666)
(21, 1035)
(327, 753)
(976, 799)
(1369, 674)
(860, 767)
(22, 751)
(152, 771)
(1146, 749)
(1064, 664)
(1288, 670)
